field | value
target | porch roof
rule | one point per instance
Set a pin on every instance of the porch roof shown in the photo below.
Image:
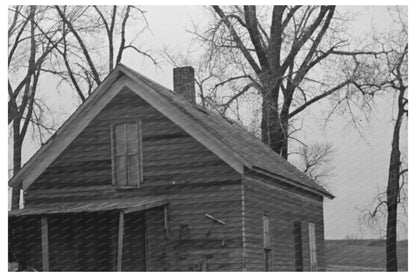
(128, 205)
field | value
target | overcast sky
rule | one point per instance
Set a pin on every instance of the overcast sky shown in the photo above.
(361, 166)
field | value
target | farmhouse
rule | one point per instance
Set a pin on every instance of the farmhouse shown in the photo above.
(141, 178)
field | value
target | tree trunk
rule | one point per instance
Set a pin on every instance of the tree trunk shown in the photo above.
(392, 197)
(393, 190)
(274, 125)
(17, 147)
(17, 162)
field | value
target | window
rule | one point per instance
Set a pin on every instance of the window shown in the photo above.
(297, 234)
(267, 243)
(312, 247)
(127, 154)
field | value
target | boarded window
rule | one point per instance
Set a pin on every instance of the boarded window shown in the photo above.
(267, 243)
(312, 247)
(297, 235)
(126, 154)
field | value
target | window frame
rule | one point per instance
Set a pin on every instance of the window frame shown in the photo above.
(139, 154)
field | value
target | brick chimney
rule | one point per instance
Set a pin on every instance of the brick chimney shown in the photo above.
(184, 82)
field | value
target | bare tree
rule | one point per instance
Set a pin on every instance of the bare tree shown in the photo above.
(391, 64)
(85, 65)
(397, 62)
(277, 60)
(315, 160)
(28, 51)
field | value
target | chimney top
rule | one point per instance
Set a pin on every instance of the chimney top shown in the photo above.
(184, 82)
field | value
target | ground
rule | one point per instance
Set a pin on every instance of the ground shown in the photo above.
(362, 255)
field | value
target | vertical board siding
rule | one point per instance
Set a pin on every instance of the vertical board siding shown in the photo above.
(284, 207)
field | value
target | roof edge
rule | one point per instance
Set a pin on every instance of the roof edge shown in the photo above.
(322, 192)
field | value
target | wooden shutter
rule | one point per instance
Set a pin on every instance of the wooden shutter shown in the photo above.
(312, 247)
(267, 236)
(127, 154)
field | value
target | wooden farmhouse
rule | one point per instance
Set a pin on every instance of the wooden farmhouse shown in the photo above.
(141, 178)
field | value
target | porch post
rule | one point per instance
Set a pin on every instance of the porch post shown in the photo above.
(16, 196)
(45, 243)
(120, 240)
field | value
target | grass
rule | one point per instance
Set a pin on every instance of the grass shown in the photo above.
(362, 255)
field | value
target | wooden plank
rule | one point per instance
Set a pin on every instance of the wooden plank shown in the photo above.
(45, 243)
(120, 241)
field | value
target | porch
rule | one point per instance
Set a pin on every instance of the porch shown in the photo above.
(107, 235)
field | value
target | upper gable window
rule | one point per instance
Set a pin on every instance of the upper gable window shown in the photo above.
(126, 154)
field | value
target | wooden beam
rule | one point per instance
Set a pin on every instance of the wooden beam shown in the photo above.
(45, 243)
(120, 240)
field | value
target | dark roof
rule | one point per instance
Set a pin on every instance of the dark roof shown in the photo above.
(242, 142)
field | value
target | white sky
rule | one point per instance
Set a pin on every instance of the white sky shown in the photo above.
(360, 168)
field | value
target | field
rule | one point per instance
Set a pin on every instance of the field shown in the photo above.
(362, 255)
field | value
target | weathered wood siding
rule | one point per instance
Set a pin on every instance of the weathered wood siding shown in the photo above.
(195, 239)
(194, 181)
(284, 205)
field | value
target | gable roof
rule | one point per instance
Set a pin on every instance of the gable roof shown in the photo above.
(228, 140)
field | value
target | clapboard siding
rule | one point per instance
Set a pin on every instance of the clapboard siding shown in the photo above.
(194, 181)
(195, 239)
(170, 155)
(284, 206)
